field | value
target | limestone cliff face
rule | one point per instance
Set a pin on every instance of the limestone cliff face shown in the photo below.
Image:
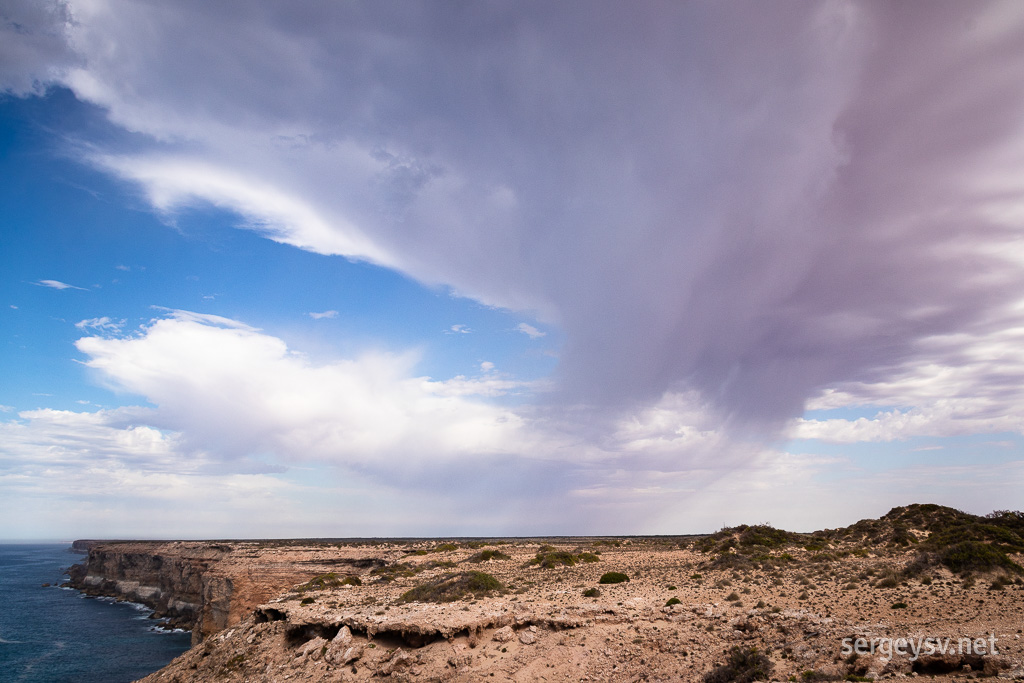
(177, 582)
(203, 586)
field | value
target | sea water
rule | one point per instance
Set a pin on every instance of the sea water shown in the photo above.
(58, 635)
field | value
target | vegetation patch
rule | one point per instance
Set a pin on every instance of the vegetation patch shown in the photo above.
(765, 535)
(488, 555)
(745, 664)
(546, 559)
(404, 570)
(673, 601)
(329, 580)
(613, 577)
(452, 587)
(971, 556)
(445, 548)
(591, 593)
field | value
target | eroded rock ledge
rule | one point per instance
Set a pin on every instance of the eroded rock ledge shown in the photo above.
(207, 586)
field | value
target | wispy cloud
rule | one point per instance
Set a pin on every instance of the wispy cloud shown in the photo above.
(323, 315)
(57, 284)
(458, 329)
(530, 331)
(103, 324)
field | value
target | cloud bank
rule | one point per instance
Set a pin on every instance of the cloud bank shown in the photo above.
(730, 216)
(754, 207)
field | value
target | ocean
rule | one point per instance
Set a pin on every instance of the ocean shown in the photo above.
(57, 635)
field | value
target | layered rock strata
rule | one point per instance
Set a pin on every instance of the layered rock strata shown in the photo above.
(208, 586)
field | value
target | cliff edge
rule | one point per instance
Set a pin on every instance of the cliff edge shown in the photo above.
(207, 586)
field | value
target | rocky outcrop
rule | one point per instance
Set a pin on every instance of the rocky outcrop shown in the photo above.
(203, 586)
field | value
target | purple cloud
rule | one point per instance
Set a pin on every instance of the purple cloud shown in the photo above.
(751, 205)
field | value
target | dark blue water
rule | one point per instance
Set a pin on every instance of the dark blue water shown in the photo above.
(55, 635)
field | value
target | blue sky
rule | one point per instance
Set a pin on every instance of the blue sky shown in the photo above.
(380, 269)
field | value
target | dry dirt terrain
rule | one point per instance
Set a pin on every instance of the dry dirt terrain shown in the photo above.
(749, 603)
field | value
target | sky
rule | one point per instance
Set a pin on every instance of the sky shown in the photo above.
(472, 269)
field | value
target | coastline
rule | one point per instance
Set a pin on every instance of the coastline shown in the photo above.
(51, 633)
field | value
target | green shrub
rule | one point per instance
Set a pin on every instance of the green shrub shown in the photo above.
(401, 569)
(329, 580)
(488, 555)
(899, 605)
(591, 593)
(452, 587)
(613, 577)
(552, 559)
(745, 664)
(446, 547)
(765, 535)
(588, 557)
(307, 601)
(970, 556)
(673, 601)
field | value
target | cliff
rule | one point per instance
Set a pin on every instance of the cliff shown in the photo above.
(204, 586)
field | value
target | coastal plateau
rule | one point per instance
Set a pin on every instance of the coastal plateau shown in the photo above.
(922, 591)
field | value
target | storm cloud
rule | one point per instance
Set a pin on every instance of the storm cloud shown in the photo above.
(753, 206)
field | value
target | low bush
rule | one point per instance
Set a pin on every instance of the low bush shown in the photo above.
(445, 547)
(452, 587)
(969, 556)
(329, 580)
(613, 577)
(488, 555)
(745, 664)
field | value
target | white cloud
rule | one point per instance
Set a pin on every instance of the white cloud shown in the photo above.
(487, 366)
(227, 386)
(57, 284)
(323, 315)
(270, 210)
(953, 385)
(530, 331)
(34, 49)
(459, 329)
(103, 324)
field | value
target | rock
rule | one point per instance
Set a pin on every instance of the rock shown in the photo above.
(312, 650)
(993, 664)
(342, 650)
(343, 638)
(940, 662)
(398, 661)
(897, 665)
(503, 634)
(527, 638)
